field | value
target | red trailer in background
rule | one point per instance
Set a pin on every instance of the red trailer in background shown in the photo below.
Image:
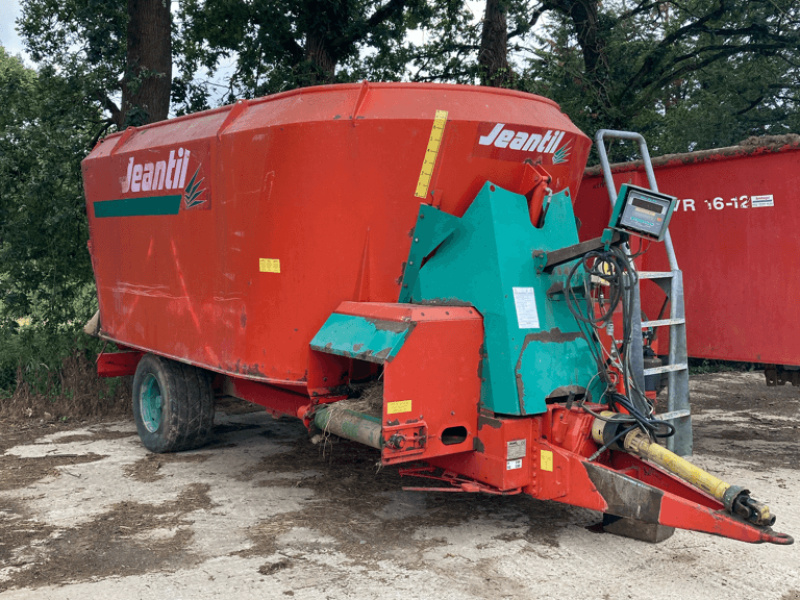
(735, 236)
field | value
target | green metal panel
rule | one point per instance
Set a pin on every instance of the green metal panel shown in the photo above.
(356, 337)
(433, 227)
(530, 354)
(138, 207)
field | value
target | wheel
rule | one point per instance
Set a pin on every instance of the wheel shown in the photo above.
(173, 405)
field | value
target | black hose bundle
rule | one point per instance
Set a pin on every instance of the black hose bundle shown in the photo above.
(613, 267)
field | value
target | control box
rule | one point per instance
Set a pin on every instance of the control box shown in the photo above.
(642, 212)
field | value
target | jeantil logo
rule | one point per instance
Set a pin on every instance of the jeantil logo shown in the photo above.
(161, 175)
(500, 137)
(158, 188)
(501, 141)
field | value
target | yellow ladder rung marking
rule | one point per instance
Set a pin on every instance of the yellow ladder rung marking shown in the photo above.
(431, 153)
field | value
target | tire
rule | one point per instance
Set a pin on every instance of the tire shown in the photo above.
(173, 405)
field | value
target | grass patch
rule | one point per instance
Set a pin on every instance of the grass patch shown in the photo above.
(49, 372)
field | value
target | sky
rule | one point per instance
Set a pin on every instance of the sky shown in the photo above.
(9, 11)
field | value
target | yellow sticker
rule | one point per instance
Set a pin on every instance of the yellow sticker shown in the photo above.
(437, 132)
(403, 406)
(547, 460)
(269, 265)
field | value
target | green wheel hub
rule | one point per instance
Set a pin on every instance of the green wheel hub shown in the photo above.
(150, 403)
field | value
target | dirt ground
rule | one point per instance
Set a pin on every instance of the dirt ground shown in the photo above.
(86, 512)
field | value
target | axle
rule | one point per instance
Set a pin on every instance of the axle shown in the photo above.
(350, 425)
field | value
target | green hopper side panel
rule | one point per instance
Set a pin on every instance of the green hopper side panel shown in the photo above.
(533, 346)
(365, 339)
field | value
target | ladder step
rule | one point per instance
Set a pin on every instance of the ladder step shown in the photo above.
(655, 274)
(663, 322)
(674, 414)
(666, 369)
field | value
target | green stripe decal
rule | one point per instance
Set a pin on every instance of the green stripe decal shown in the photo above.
(138, 207)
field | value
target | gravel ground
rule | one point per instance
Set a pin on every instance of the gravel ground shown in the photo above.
(86, 512)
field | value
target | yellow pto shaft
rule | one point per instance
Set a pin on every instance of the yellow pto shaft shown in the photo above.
(636, 442)
(736, 499)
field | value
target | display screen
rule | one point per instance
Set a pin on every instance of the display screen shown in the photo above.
(642, 212)
(651, 206)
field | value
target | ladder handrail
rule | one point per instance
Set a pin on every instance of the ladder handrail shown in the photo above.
(678, 371)
(648, 167)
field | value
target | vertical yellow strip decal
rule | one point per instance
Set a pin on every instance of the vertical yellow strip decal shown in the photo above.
(437, 131)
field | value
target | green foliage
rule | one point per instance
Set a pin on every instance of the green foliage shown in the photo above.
(285, 44)
(45, 131)
(449, 50)
(91, 31)
(82, 40)
(689, 75)
(37, 352)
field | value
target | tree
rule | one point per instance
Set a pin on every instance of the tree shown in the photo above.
(111, 49)
(493, 54)
(88, 52)
(44, 265)
(284, 44)
(504, 27)
(690, 75)
(147, 81)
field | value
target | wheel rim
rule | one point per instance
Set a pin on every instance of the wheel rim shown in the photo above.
(150, 403)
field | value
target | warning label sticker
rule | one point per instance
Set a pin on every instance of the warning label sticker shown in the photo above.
(401, 406)
(269, 265)
(759, 201)
(513, 464)
(546, 462)
(525, 303)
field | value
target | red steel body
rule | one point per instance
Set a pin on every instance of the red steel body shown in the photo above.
(226, 239)
(740, 258)
(322, 180)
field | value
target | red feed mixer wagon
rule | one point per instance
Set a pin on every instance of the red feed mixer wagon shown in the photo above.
(410, 242)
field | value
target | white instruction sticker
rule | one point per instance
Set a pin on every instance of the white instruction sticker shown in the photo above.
(515, 449)
(758, 201)
(525, 301)
(513, 464)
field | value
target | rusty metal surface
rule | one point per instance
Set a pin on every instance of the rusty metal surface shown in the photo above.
(431, 388)
(552, 336)
(654, 533)
(625, 496)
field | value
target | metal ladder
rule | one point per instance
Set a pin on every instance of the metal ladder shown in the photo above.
(678, 410)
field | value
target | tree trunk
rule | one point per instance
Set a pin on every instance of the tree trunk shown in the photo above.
(320, 57)
(493, 54)
(148, 77)
(584, 16)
